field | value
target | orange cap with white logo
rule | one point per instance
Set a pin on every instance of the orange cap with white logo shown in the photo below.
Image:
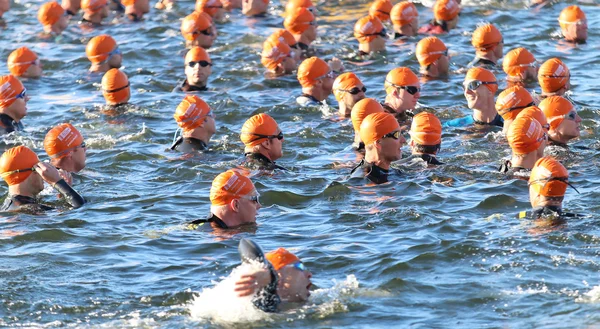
(367, 29)
(292, 5)
(525, 134)
(299, 20)
(283, 35)
(50, 12)
(570, 15)
(13, 161)
(99, 47)
(426, 129)
(115, 87)
(193, 23)
(256, 127)
(403, 13)
(553, 75)
(343, 83)
(280, 258)
(229, 186)
(512, 101)
(20, 60)
(485, 37)
(362, 109)
(429, 50)
(10, 88)
(310, 70)
(377, 125)
(445, 10)
(62, 139)
(543, 179)
(536, 113)
(274, 52)
(516, 61)
(555, 108)
(211, 7)
(191, 112)
(381, 9)
(481, 74)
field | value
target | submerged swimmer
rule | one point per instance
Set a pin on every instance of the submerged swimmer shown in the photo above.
(197, 121)
(573, 24)
(263, 142)
(198, 30)
(13, 104)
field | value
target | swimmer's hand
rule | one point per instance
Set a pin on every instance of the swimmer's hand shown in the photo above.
(248, 284)
(336, 65)
(66, 176)
(48, 173)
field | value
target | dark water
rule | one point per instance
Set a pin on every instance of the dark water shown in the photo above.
(436, 248)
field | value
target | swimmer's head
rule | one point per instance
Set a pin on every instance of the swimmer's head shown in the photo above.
(24, 63)
(193, 113)
(405, 18)
(432, 55)
(381, 9)
(261, 134)
(348, 89)
(488, 40)
(294, 279)
(292, 5)
(512, 101)
(563, 118)
(536, 113)
(65, 146)
(198, 67)
(234, 198)
(103, 49)
(135, 9)
(370, 33)
(285, 36)
(214, 8)
(554, 77)
(315, 73)
(277, 56)
(13, 98)
(425, 134)
(52, 16)
(301, 22)
(573, 24)
(255, 7)
(548, 182)
(95, 10)
(445, 12)
(480, 85)
(16, 168)
(197, 30)
(115, 87)
(520, 65)
(403, 89)
(382, 137)
(526, 135)
(361, 110)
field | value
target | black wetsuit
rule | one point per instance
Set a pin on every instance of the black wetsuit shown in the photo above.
(20, 202)
(258, 161)
(498, 121)
(482, 62)
(186, 87)
(210, 219)
(308, 100)
(305, 50)
(403, 118)
(370, 171)
(507, 168)
(188, 144)
(559, 144)
(398, 35)
(8, 124)
(547, 212)
(430, 159)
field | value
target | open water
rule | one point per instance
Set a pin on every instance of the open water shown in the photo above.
(434, 249)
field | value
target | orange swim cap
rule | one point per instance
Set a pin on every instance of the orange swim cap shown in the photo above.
(191, 112)
(193, 23)
(283, 35)
(50, 13)
(426, 129)
(208, 6)
(481, 74)
(555, 108)
(99, 47)
(115, 87)
(196, 54)
(377, 125)
(292, 5)
(367, 29)
(14, 159)
(544, 176)
(310, 70)
(445, 10)
(485, 37)
(280, 258)
(362, 109)
(20, 60)
(10, 88)
(274, 52)
(525, 135)
(93, 5)
(258, 125)
(553, 75)
(403, 13)
(343, 83)
(62, 139)
(516, 61)
(512, 101)
(229, 186)
(536, 113)
(429, 50)
(400, 76)
(570, 15)
(299, 20)
(381, 9)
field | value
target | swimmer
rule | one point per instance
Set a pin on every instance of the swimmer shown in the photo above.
(573, 24)
(302, 25)
(285, 36)
(71, 7)
(13, 104)
(554, 78)
(25, 175)
(234, 201)
(403, 90)
(65, 146)
(433, 58)
(426, 137)
(232, 4)
(383, 139)
(53, 19)
(381, 9)
(445, 17)
(277, 57)
(405, 19)
(198, 30)
(489, 46)
(115, 89)
(348, 89)
(197, 121)
(24, 63)
(4, 7)
(316, 78)
(511, 102)
(527, 140)
(198, 68)
(360, 111)
(285, 278)
(254, 8)
(480, 86)
(371, 35)
(292, 5)
(94, 11)
(135, 9)
(116, 5)
(520, 66)
(104, 53)
(214, 8)
(547, 188)
(263, 143)
(565, 123)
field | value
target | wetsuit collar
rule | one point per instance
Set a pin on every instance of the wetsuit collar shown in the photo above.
(555, 143)
(214, 219)
(374, 173)
(9, 123)
(69, 12)
(496, 122)
(430, 159)
(302, 46)
(482, 61)
(546, 211)
(195, 142)
(185, 86)
(312, 98)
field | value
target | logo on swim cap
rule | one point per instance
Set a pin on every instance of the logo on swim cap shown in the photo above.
(508, 98)
(532, 129)
(190, 109)
(365, 28)
(231, 184)
(64, 134)
(559, 70)
(5, 87)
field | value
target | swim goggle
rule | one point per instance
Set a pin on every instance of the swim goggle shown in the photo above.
(115, 51)
(443, 52)
(548, 180)
(82, 145)
(410, 89)
(473, 85)
(572, 115)
(394, 134)
(115, 90)
(355, 90)
(36, 62)
(208, 31)
(300, 266)
(532, 64)
(259, 136)
(382, 33)
(8, 173)
(253, 198)
(201, 63)
(501, 112)
(578, 22)
(329, 74)
(22, 95)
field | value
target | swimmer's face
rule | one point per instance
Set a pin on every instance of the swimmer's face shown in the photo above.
(311, 32)
(210, 125)
(576, 31)
(142, 6)
(534, 198)
(36, 182)
(479, 97)
(406, 100)
(327, 83)
(18, 109)
(104, 12)
(289, 64)
(62, 24)
(349, 99)
(34, 70)
(197, 74)
(294, 284)
(378, 44)
(452, 23)
(206, 41)
(443, 65)
(275, 147)
(254, 7)
(115, 61)
(391, 147)
(78, 156)
(570, 127)
(248, 210)
(499, 50)
(540, 150)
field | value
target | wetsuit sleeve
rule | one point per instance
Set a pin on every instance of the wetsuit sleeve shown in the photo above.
(267, 299)
(460, 122)
(72, 197)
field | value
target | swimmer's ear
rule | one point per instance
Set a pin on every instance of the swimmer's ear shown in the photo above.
(235, 205)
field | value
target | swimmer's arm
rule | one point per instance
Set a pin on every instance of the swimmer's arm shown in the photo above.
(248, 284)
(72, 197)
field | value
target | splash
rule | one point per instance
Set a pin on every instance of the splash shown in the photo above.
(592, 296)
